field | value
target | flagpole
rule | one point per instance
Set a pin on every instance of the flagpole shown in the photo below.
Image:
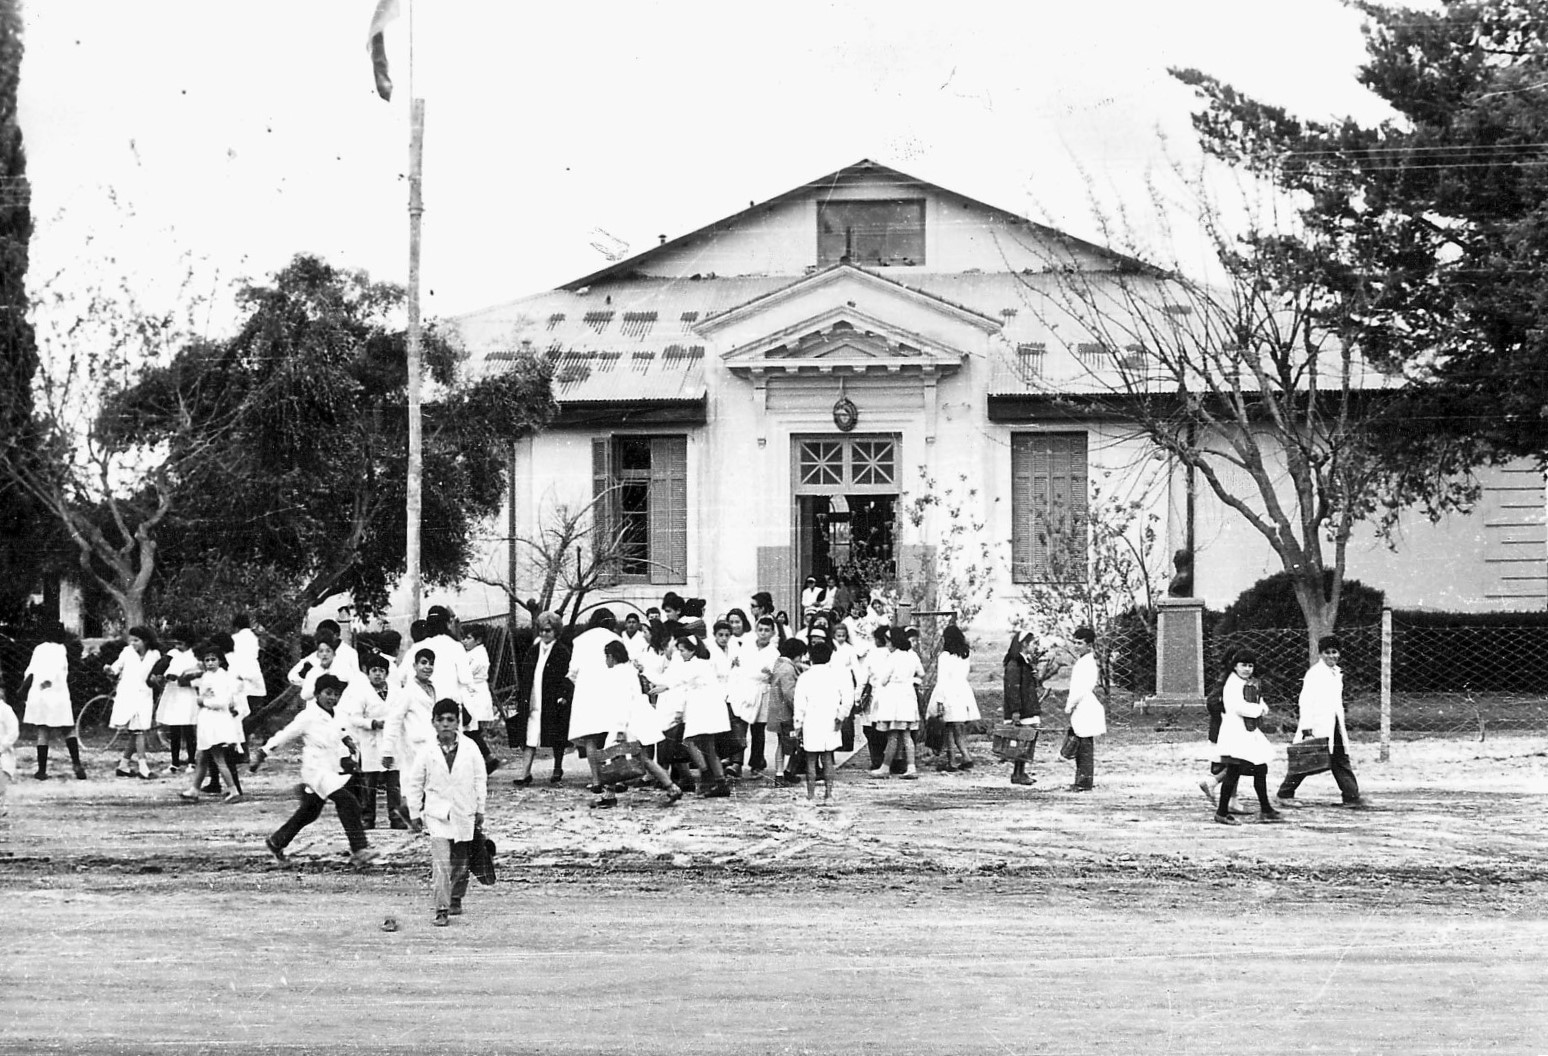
(414, 512)
(415, 471)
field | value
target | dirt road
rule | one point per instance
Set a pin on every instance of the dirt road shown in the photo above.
(954, 914)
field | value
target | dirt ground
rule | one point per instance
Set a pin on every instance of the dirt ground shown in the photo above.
(953, 914)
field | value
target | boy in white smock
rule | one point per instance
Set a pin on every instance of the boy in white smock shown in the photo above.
(445, 789)
(328, 756)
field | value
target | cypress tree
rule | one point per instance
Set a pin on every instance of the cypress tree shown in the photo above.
(21, 529)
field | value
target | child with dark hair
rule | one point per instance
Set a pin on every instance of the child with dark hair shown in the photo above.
(133, 700)
(218, 726)
(364, 709)
(751, 682)
(897, 703)
(1243, 747)
(876, 661)
(638, 720)
(445, 791)
(781, 705)
(327, 756)
(953, 698)
(824, 697)
(178, 709)
(1024, 671)
(1088, 716)
(409, 707)
(731, 743)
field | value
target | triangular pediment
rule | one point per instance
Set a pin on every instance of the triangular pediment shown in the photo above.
(846, 316)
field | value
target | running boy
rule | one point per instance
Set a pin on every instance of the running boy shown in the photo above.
(324, 747)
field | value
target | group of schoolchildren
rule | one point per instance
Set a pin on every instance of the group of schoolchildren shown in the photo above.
(703, 700)
(700, 706)
(1240, 748)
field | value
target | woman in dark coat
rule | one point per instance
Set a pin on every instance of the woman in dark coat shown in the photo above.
(542, 718)
(1023, 692)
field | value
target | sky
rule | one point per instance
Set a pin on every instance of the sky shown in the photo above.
(164, 135)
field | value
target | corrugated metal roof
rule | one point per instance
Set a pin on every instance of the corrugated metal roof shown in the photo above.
(632, 338)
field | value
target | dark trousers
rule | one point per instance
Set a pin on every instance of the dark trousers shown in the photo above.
(1085, 762)
(1343, 774)
(310, 809)
(757, 733)
(366, 784)
(876, 745)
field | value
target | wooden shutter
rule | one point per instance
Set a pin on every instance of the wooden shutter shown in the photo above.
(669, 509)
(1048, 500)
(604, 513)
(1022, 528)
(1067, 495)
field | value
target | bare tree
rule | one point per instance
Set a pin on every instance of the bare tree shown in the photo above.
(573, 554)
(1253, 384)
(109, 490)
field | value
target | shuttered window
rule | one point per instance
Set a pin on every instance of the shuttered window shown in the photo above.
(641, 487)
(1048, 507)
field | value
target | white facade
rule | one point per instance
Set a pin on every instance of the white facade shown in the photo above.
(740, 339)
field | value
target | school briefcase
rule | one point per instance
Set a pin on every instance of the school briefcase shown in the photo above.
(1014, 743)
(1309, 756)
(481, 860)
(621, 762)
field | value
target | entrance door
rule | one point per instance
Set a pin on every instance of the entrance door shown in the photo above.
(846, 495)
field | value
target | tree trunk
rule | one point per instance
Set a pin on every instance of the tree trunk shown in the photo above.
(1320, 613)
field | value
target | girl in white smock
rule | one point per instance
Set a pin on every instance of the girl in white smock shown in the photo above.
(824, 697)
(953, 698)
(48, 708)
(639, 721)
(178, 708)
(593, 709)
(895, 702)
(219, 726)
(1243, 746)
(134, 702)
(691, 683)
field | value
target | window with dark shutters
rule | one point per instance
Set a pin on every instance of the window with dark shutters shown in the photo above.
(1048, 507)
(641, 484)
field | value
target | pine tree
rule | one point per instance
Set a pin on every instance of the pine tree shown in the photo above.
(21, 529)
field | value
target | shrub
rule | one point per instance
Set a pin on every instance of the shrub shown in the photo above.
(1270, 603)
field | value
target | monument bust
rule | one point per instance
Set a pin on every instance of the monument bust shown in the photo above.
(1182, 582)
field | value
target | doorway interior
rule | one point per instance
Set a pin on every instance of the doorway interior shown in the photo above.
(846, 501)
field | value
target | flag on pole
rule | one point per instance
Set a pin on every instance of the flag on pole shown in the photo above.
(386, 11)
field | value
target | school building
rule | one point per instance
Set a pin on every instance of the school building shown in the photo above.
(762, 399)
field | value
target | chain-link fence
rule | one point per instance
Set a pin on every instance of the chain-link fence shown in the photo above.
(1400, 678)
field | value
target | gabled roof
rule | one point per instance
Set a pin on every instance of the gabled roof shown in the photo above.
(862, 168)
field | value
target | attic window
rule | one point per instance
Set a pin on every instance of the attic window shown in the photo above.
(871, 233)
(598, 320)
(555, 319)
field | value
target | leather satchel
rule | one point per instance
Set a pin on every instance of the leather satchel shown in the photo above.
(1309, 756)
(481, 860)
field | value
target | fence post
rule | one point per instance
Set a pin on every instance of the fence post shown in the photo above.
(1386, 684)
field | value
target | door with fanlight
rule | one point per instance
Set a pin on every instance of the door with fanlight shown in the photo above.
(846, 499)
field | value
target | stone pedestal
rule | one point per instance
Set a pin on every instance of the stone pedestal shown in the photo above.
(1179, 653)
